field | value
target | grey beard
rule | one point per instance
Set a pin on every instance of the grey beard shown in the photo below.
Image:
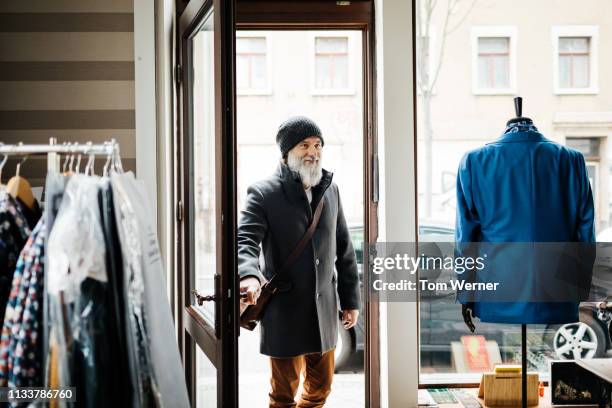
(310, 175)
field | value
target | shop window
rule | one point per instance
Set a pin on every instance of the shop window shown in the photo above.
(460, 119)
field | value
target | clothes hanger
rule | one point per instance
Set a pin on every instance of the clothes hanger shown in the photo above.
(71, 164)
(19, 188)
(78, 164)
(4, 160)
(66, 167)
(89, 168)
(106, 165)
(117, 160)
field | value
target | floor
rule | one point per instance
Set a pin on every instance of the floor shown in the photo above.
(348, 389)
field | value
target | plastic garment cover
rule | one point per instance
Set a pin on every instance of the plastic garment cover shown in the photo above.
(150, 313)
(76, 240)
(143, 381)
(79, 298)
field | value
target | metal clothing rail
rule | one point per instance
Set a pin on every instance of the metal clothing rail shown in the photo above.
(68, 148)
(109, 148)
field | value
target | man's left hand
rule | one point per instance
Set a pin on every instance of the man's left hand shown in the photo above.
(349, 318)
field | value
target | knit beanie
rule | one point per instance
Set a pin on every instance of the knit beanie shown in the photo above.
(294, 130)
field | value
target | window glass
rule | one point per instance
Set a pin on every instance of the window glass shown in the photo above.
(455, 120)
(331, 63)
(251, 69)
(203, 159)
(493, 62)
(574, 62)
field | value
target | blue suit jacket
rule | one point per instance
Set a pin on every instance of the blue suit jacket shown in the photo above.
(524, 188)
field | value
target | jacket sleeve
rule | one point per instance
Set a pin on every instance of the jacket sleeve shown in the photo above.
(467, 224)
(252, 229)
(585, 232)
(346, 264)
(586, 212)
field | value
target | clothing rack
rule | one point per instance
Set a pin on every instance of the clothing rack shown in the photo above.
(109, 148)
(53, 150)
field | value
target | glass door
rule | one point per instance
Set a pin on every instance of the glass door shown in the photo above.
(205, 209)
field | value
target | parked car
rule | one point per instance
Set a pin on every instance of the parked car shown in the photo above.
(441, 323)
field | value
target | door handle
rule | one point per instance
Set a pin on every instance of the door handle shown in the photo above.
(203, 298)
(210, 298)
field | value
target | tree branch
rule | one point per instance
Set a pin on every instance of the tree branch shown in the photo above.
(442, 45)
(467, 13)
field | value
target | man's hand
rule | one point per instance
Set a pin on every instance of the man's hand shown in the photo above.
(251, 286)
(349, 318)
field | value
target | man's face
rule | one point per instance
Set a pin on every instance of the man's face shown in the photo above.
(305, 158)
(308, 151)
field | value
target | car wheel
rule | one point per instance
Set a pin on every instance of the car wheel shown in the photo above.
(344, 348)
(585, 339)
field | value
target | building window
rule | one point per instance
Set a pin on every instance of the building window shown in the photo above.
(590, 149)
(575, 59)
(574, 62)
(494, 60)
(331, 65)
(252, 75)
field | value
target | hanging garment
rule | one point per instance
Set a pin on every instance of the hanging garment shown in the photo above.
(55, 186)
(143, 380)
(524, 188)
(79, 297)
(20, 343)
(14, 231)
(117, 315)
(140, 249)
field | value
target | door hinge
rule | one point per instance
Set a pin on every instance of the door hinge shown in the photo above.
(179, 210)
(178, 73)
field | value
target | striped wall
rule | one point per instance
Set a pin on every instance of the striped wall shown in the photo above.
(66, 71)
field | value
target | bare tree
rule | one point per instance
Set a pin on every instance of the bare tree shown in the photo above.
(427, 74)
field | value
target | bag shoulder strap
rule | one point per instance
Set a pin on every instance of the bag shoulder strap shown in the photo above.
(293, 256)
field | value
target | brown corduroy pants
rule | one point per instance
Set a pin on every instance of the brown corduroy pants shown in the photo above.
(318, 370)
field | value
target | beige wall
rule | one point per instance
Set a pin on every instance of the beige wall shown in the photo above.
(67, 71)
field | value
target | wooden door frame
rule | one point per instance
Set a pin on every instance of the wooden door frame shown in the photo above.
(256, 14)
(219, 343)
(327, 15)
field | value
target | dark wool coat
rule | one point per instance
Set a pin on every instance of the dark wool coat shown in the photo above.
(302, 317)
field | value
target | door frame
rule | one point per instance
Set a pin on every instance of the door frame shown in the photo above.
(218, 342)
(264, 15)
(328, 15)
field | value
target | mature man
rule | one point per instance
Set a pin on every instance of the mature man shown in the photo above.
(299, 327)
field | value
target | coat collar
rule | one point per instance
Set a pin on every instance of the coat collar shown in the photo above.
(528, 136)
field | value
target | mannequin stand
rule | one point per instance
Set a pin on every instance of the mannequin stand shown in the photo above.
(467, 318)
(524, 365)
